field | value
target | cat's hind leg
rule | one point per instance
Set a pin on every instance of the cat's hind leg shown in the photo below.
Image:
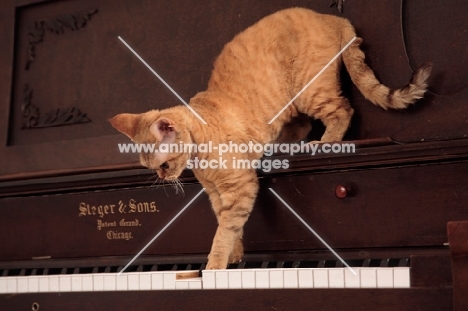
(335, 114)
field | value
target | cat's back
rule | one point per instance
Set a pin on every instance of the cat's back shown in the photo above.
(257, 54)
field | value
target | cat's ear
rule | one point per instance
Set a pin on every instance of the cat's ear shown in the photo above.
(163, 130)
(126, 123)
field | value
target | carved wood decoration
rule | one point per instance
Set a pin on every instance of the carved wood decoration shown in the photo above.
(31, 114)
(56, 25)
(32, 117)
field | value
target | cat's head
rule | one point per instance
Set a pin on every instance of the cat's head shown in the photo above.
(157, 128)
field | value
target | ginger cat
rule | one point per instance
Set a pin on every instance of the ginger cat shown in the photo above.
(254, 77)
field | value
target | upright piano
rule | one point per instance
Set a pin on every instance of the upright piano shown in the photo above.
(75, 211)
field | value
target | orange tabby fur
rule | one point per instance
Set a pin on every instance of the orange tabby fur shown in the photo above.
(254, 77)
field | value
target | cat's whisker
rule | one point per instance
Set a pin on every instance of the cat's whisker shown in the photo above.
(162, 184)
(179, 187)
(155, 182)
(175, 185)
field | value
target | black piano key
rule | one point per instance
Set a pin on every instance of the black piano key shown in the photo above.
(384, 263)
(366, 262)
(404, 262)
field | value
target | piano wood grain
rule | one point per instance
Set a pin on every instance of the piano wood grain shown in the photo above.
(424, 299)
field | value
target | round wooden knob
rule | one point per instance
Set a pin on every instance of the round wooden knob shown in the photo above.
(342, 191)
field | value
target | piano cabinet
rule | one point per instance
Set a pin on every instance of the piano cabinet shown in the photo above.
(71, 204)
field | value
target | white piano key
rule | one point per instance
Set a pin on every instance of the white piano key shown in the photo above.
(368, 278)
(98, 282)
(87, 283)
(336, 278)
(33, 284)
(352, 280)
(23, 284)
(385, 278)
(145, 281)
(209, 279)
(181, 284)
(248, 279)
(43, 284)
(221, 279)
(290, 278)
(262, 279)
(3, 285)
(133, 280)
(401, 277)
(305, 278)
(110, 282)
(276, 278)
(54, 285)
(65, 283)
(121, 281)
(12, 285)
(169, 279)
(213, 279)
(320, 278)
(157, 282)
(195, 283)
(234, 279)
(76, 283)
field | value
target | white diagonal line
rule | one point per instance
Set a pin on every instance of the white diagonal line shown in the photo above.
(160, 232)
(162, 80)
(313, 231)
(313, 79)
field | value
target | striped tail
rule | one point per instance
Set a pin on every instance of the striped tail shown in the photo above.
(364, 79)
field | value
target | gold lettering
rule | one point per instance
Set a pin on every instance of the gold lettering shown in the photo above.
(83, 209)
(122, 207)
(142, 207)
(133, 207)
(117, 235)
(104, 224)
(131, 223)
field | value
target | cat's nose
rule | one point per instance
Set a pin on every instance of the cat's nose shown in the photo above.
(164, 166)
(161, 174)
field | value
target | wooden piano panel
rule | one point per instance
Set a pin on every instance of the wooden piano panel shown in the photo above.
(89, 70)
(380, 212)
(284, 299)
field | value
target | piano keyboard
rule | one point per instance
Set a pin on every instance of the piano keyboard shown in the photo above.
(396, 277)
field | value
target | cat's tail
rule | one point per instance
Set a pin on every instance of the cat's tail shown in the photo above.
(363, 77)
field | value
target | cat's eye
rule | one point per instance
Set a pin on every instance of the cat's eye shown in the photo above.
(164, 166)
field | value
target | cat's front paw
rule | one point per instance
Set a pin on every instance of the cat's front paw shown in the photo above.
(235, 258)
(237, 252)
(216, 262)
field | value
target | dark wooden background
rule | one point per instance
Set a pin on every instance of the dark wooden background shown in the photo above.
(89, 70)
(64, 59)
